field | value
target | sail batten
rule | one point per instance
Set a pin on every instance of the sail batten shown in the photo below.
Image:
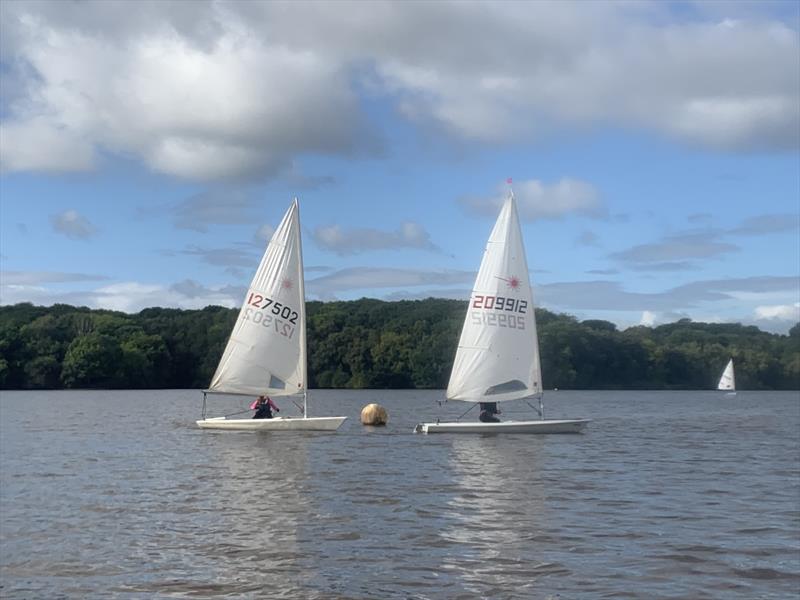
(498, 353)
(266, 351)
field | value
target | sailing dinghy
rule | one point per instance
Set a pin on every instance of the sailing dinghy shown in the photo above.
(498, 353)
(728, 380)
(266, 353)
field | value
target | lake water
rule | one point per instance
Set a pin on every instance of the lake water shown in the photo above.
(666, 495)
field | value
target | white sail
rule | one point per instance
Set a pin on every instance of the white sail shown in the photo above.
(728, 380)
(266, 353)
(498, 353)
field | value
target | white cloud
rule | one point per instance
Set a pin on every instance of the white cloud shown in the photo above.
(713, 82)
(213, 207)
(611, 295)
(683, 251)
(127, 296)
(768, 224)
(602, 271)
(14, 293)
(648, 318)
(355, 241)
(588, 238)
(23, 278)
(448, 293)
(221, 90)
(264, 234)
(132, 296)
(233, 108)
(73, 225)
(537, 200)
(41, 144)
(361, 279)
(704, 219)
(223, 257)
(781, 312)
(196, 157)
(673, 252)
(682, 265)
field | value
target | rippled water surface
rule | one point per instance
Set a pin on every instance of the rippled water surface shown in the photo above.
(667, 495)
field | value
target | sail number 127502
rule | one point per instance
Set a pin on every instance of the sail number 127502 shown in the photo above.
(278, 309)
(270, 314)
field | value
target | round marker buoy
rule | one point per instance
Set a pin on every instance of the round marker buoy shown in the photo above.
(374, 414)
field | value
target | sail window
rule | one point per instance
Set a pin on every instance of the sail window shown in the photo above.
(514, 385)
(275, 383)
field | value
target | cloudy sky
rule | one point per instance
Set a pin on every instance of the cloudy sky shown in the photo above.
(148, 150)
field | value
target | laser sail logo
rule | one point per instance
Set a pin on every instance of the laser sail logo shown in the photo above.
(511, 282)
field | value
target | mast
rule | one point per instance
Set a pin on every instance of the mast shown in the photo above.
(303, 340)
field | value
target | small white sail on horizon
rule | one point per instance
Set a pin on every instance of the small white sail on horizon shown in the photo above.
(727, 381)
(266, 353)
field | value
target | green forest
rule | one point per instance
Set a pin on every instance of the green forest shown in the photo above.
(374, 344)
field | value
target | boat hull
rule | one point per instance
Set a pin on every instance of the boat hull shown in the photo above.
(548, 426)
(276, 424)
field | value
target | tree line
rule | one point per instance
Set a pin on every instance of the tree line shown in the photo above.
(374, 344)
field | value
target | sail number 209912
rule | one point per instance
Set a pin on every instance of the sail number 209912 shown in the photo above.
(505, 312)
(499, 303)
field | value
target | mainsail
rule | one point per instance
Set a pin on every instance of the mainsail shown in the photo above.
(266, 353)
(498, 353)
(728, 380)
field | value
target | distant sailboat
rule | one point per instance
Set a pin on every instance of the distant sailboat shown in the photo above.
(266, 353)
(728, 380)
(498, 353)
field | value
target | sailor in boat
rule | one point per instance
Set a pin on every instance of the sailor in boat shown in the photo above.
(264, 407)
(488, 412)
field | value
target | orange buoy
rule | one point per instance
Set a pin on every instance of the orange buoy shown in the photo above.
(374, 414)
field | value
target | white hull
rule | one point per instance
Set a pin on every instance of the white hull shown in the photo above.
(550, 426)
(276, 424)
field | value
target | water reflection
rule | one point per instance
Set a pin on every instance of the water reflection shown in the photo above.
(246, 502)
(499, 508)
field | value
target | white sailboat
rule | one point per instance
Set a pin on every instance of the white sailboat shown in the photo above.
(266, 353)
(498, 353)
(727, 382)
